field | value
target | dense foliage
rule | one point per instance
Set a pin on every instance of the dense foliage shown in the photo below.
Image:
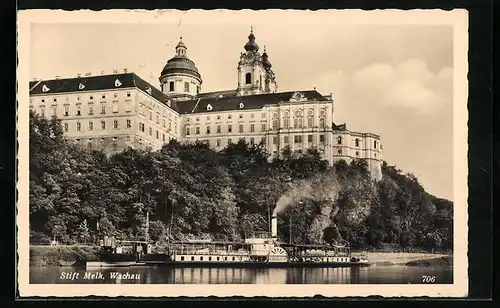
(191, 191)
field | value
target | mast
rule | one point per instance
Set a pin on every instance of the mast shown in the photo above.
(290, 224)
(147, 226)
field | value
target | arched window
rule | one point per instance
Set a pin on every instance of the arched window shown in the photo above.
(322, 122)
(286, 123)
(339, 140)
(248, 78)
(296, 123)
(309, 122)
(275, 124)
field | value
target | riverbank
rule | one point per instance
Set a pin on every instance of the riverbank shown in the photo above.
(405, 258)
(52, 255)
(443, 261)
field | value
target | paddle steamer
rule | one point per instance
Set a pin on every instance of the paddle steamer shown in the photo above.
(262, 250)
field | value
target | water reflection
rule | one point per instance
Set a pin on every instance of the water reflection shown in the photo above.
(166, 275)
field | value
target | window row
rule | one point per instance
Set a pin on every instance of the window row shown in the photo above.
(187, 87)
(102, 125)
(151, 132)
(298, 139)
(356, 142)
(218, 129)
(90, 97)
(228, 141)
(229, 117)
(297, 123)
(78, 110)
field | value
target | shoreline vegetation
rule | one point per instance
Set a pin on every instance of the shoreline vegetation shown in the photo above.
(189, 191)
(44, 255)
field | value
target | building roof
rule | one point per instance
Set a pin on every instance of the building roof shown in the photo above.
(97, 83)
(246, 102)
(217, 94)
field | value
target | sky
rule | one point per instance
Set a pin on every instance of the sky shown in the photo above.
(394, 80)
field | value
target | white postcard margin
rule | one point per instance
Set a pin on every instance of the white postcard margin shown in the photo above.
(456, 18)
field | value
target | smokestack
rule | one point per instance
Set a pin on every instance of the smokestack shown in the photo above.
(274, 227)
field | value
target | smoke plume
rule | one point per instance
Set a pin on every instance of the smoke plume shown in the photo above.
(317, 188)
(299, 191)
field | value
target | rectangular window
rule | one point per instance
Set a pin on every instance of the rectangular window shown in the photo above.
(141, 127)
(157, 135)
(286, 140)
(163, 122)
(217, 142)
(229, 128)
(356, 142)
(321, 138)
(297, 139)
(103, 109)
(263, 140)
(252, 128)
(171, 84)
(275, 140)
(129, 124)
(115, 124)
(163, 135)
(66, 110)
(241, 128)
(91, 126)
(187, 131)
(91, 109)
(78, 126)
(197, 130)
(252, 115)
(103, 125)
(54, 111)
(309, 138)
(252, 141)
(309, 122)
(208, 129)
(263, 128)
(218, 129)
(115, 108)
(150, 115)
(65, 127)
(157, 118)
(150, 131)
(229, 141)
(186, 86)
(78, 110)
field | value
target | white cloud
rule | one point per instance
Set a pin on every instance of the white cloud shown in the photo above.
(410, 85)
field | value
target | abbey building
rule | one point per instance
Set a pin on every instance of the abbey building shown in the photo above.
(120, 110)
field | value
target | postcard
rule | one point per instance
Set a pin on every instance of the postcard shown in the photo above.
(277, 153)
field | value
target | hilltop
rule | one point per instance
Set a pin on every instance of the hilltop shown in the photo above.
(191, 191)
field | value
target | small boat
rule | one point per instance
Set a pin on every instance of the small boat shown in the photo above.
(66, 263)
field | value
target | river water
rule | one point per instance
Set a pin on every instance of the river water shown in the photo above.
(375, 274)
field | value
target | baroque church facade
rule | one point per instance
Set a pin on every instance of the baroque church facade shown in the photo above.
(115, 111)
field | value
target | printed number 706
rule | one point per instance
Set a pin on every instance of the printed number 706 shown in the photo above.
(428, 279)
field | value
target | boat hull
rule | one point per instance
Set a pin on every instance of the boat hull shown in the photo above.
(100, 264)
(257, 264)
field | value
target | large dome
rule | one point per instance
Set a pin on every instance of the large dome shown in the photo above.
(180, 64)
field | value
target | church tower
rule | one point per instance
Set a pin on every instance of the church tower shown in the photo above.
(254, 70)
(180, 78)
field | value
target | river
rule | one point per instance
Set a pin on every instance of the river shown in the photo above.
(375, 274)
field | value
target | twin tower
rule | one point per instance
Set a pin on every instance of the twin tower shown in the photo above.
(181, 80)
